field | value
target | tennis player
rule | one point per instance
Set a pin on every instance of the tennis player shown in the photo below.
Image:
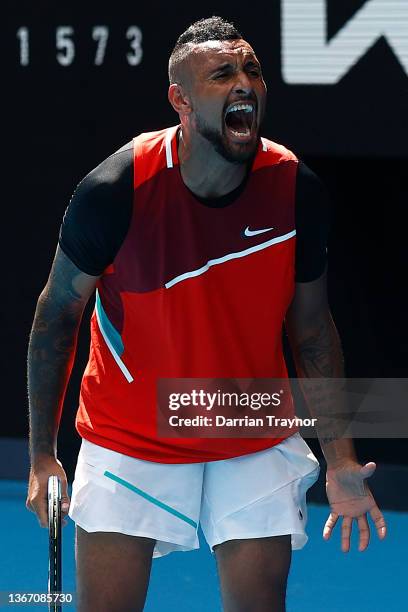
(201, 241)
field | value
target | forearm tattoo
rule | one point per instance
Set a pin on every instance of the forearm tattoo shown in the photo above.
(51, 354)
(320, 367)
(320, 353)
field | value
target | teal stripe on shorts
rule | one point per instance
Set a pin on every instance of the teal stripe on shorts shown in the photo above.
(151, 499)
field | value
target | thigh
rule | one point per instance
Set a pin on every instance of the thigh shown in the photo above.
(113, 571)
(253, 573)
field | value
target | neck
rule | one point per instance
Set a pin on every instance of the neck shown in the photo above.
(204, 171)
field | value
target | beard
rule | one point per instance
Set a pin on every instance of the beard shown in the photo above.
(220, 144)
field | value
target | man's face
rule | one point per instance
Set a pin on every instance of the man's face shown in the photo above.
(228, 97)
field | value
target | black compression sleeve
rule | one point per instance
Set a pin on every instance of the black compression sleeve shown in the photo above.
(97, 218)
(313, 220)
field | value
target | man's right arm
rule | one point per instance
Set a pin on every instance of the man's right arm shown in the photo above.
(94, 226)
(51, 355)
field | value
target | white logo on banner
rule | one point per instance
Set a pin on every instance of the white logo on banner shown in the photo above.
(308, 57)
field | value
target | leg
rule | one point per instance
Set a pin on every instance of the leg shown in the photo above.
(113, 571)
(253, 573)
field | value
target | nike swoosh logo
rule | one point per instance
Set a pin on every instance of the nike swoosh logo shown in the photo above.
(248, 233)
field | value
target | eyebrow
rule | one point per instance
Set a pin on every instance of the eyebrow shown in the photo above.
(253, 63)
(225, 65)
(222, 66)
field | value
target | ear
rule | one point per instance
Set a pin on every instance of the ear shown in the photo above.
(179, 100)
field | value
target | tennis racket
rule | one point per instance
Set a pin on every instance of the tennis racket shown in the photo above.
(54, 527)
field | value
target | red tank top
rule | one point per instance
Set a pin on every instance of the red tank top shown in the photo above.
(189, 295)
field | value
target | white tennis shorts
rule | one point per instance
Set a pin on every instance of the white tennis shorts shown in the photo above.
(252, 496)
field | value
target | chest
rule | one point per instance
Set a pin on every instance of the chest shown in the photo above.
(173, 234)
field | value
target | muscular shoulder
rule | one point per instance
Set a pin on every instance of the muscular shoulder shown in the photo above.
(98, 215)
(313, 221)
(110, 175)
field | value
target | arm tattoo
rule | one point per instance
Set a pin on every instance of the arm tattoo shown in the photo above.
(51, 354)
(320, 354)
(319, 363)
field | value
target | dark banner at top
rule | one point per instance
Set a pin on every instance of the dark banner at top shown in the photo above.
(94, 74)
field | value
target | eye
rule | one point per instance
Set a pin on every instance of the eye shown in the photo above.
(254, 72)
(221, 75)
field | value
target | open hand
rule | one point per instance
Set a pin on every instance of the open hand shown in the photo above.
(350, 497)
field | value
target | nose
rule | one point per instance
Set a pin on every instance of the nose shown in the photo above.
(242, 84)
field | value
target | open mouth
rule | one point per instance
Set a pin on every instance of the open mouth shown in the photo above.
(240, 119)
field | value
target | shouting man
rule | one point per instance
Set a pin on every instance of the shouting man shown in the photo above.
(201, 241)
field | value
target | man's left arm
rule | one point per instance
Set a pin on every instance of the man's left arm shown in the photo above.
(317, 354)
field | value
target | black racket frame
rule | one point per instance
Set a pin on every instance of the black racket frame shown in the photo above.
(55, 541)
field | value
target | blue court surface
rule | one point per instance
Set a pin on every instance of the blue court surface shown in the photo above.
(322, 579)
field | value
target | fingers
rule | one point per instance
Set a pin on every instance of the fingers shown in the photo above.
(329, 525)
(65, 502)
(364, 533)
(345, 530)
(368, 469)
(37, 498)
(346, 533)
(39, 506)
(379, 522)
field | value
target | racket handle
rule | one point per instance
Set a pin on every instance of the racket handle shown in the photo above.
(55, 539)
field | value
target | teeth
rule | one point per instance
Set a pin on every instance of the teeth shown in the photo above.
(246, 133)
(248, 108)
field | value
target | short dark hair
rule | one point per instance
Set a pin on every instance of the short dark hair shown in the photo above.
(211, 28)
